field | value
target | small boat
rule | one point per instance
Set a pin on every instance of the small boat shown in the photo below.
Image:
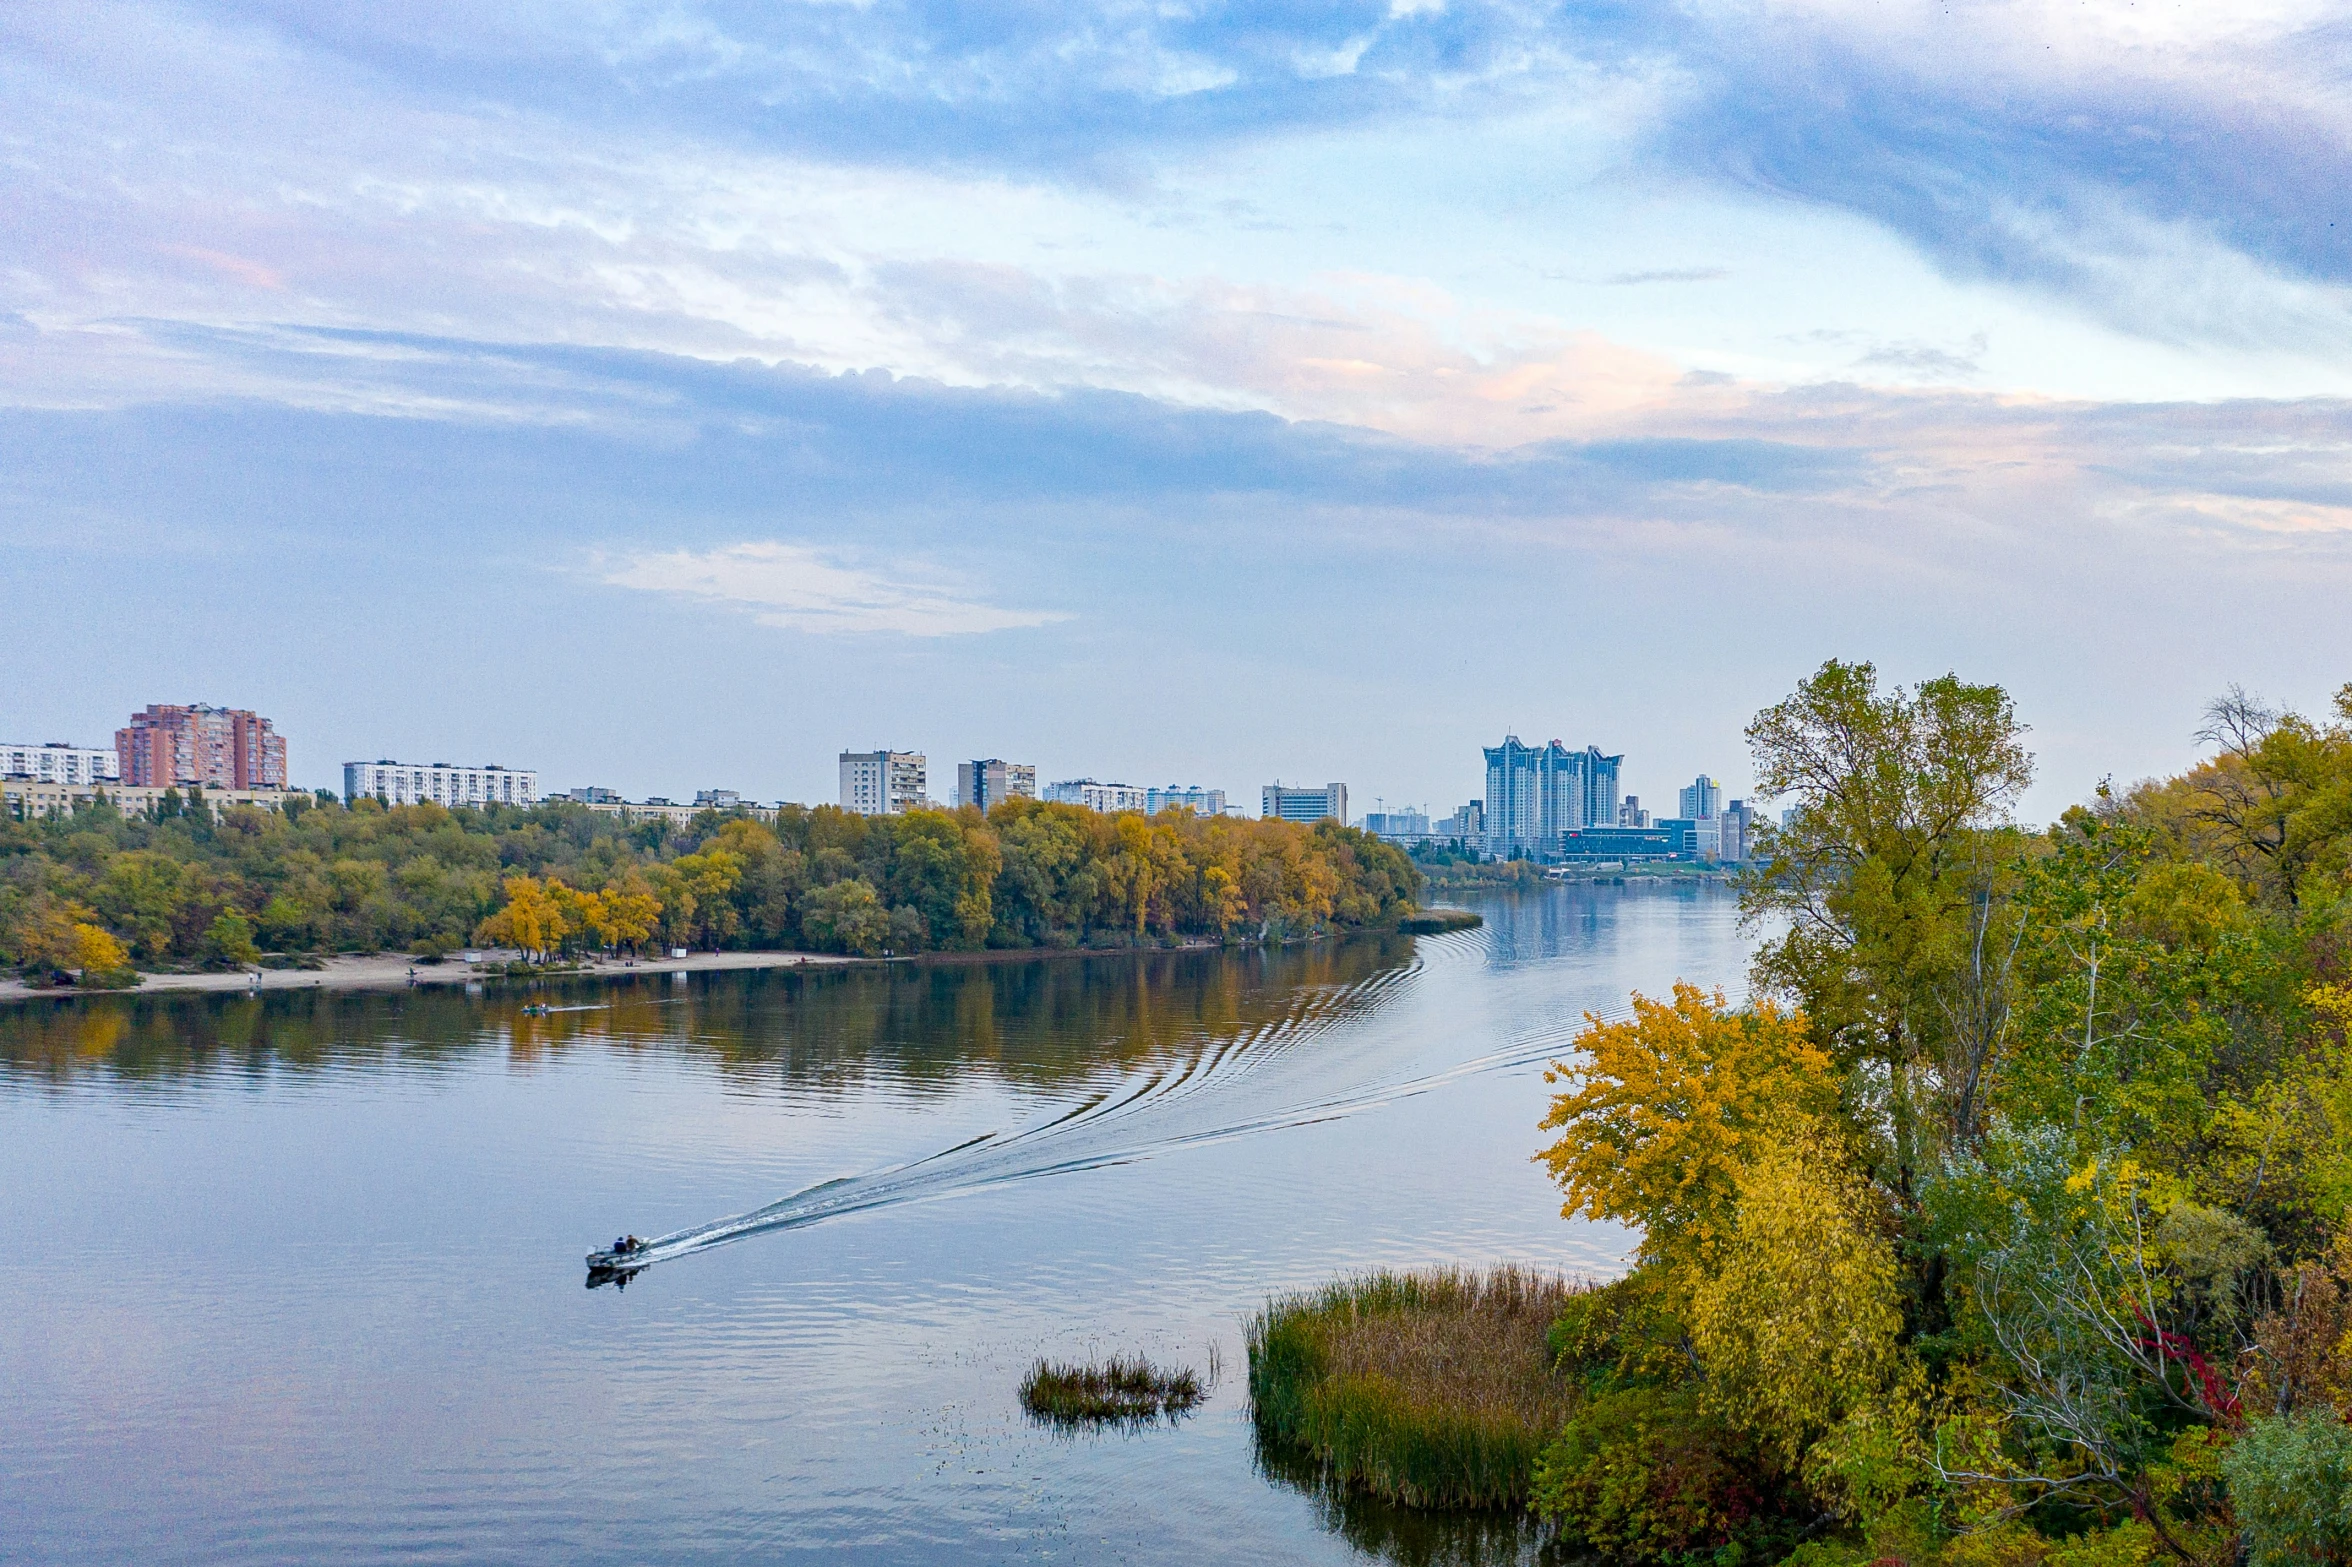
(617, 1261)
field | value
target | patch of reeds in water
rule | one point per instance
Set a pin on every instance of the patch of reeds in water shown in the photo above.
(1436, 922)
(1109, 1392)
(1433, 1389)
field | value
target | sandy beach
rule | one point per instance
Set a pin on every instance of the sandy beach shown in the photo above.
(393, 971)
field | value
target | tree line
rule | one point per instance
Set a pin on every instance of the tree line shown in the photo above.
(2007, 1224)
(98, 892)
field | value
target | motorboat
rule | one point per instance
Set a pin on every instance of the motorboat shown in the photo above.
(617, 1261)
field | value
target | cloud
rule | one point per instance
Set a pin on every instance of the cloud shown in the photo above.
(1666, 275)
(804, 589)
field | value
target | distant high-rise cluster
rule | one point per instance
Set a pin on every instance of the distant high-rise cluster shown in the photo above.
(172, 745)
(1535, 793)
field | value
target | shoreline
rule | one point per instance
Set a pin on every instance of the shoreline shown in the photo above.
(398, 971)
(391, 972)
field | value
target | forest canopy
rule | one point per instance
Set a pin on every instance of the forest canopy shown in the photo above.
(99, 891)
(2008, 1223)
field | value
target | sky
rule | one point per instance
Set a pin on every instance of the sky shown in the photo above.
(671, 395)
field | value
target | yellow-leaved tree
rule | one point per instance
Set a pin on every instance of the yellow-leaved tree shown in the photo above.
(1670, 1104)
(530, 920)
(1798, 1319)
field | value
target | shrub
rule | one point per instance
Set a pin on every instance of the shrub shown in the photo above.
(2290, 1482)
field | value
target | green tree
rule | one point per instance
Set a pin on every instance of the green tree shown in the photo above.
(1889, 874)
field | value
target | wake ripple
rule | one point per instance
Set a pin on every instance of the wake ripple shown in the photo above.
(1159, 1109)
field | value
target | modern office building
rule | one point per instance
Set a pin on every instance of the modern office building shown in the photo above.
(1701, 800)
(1535, 793)
(1190, 797)
(987, 783)
(1298, 803)
(172, 745)
(884, 783)
(55, 762)
(1630, 812)
(1107, 798)
(1619, 844)
(415, 783)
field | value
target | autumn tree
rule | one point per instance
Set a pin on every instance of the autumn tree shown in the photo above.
(1889, 874)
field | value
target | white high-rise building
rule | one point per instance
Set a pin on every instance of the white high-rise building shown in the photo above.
(1109, 799)
(884, 783)
(56, 762)
(416, 783)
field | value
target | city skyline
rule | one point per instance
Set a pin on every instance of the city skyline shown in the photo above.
(432, 787)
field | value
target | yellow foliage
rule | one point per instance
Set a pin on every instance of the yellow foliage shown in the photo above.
(1797, 1321)
(97, 952)
(532, 918)
(1669, 1105)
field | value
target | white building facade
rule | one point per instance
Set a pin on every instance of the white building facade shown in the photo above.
(1107, 798)
(884, 783)
(1299, 803)
(1191, 797)
(414, 783)
(58, 763)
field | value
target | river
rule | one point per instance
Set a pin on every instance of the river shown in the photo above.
(298, 1278)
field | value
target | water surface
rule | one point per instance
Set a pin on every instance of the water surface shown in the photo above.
(298, 1278)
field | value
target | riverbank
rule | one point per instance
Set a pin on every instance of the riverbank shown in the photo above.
(396, 971)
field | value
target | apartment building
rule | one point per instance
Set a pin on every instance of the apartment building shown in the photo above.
(1191, 797)
(884, 783)
(415, 783)
(172, 745)
(987, 782)
(1535, 793)
(1107, 798)
(55, 762)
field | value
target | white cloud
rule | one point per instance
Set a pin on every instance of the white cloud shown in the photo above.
(805, 589)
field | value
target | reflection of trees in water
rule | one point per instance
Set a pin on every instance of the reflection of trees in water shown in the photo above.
(1027, 1020)
(1406, 1536)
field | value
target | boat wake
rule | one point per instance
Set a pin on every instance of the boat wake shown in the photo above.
(1169, 1106)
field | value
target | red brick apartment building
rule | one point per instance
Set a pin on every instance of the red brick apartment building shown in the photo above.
(218, 747)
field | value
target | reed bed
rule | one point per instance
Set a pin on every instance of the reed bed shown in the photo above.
(1434, 922)
(1432, 1389)
(1112, 1391)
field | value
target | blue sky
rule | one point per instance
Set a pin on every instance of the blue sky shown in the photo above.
(670, 395)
